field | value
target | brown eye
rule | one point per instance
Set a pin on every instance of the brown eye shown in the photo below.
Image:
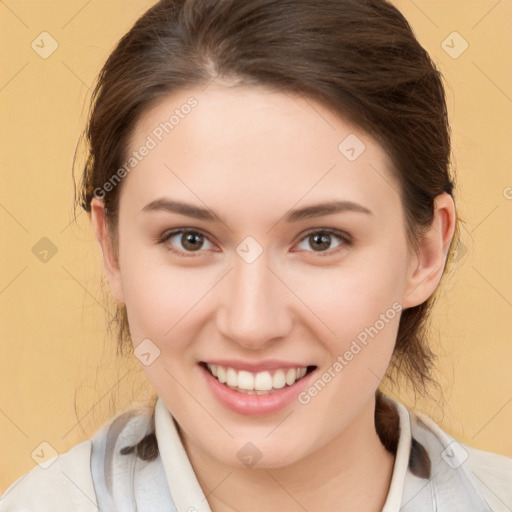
(321, 240)
(192, 241)
(184, 242)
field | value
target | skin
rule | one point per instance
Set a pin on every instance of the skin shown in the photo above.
(250, 155)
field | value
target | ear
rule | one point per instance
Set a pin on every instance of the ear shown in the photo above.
(427, 265)
(105, 241)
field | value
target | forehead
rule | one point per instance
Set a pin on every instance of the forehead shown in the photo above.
(253, 147)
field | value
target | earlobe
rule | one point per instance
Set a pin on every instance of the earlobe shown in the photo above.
(109, 256)
(427, 266)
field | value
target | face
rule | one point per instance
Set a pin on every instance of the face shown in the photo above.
(288, 251)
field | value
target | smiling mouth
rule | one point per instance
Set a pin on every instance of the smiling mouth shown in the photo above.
(260, 383)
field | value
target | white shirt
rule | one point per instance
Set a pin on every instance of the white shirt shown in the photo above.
(93, 475)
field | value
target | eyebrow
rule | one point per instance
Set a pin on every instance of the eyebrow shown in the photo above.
(315, 210)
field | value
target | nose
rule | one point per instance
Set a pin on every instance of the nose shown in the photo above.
(254, 312)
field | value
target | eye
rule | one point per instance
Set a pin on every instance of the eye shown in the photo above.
(322, 239)
(191, 241)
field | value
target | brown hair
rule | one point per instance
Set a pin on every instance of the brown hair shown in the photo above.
(360, 58)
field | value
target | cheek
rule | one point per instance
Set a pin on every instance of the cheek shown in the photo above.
(352, 297)
(157, 295)
(359, 307)
(362, 310)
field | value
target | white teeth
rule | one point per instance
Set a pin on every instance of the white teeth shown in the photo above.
(245, 380)
(232, 378)
(279, 380)
(260, 383)
(221, 374)
(291, 376)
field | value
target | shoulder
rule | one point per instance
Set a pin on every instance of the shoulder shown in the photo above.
(63, 484)
(489, 474)
(493, 475)
(67, 482)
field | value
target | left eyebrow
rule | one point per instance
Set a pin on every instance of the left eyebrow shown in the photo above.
(315, 210)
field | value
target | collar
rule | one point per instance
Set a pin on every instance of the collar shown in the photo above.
(186, 492)
(448, 486)
(188, 495)
(401, 466)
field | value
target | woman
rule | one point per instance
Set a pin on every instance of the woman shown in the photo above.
(269, 185)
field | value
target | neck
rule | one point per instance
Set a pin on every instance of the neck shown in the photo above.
(351, 472)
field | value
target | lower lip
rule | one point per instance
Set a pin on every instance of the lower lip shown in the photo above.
(255, 405)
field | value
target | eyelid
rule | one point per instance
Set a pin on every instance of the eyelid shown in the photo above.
(346, 238)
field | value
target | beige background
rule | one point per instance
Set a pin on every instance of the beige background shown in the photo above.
(54, 342)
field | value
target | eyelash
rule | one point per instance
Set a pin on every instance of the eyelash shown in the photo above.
(345, 238)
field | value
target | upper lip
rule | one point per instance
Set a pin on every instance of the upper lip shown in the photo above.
(256, 366)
